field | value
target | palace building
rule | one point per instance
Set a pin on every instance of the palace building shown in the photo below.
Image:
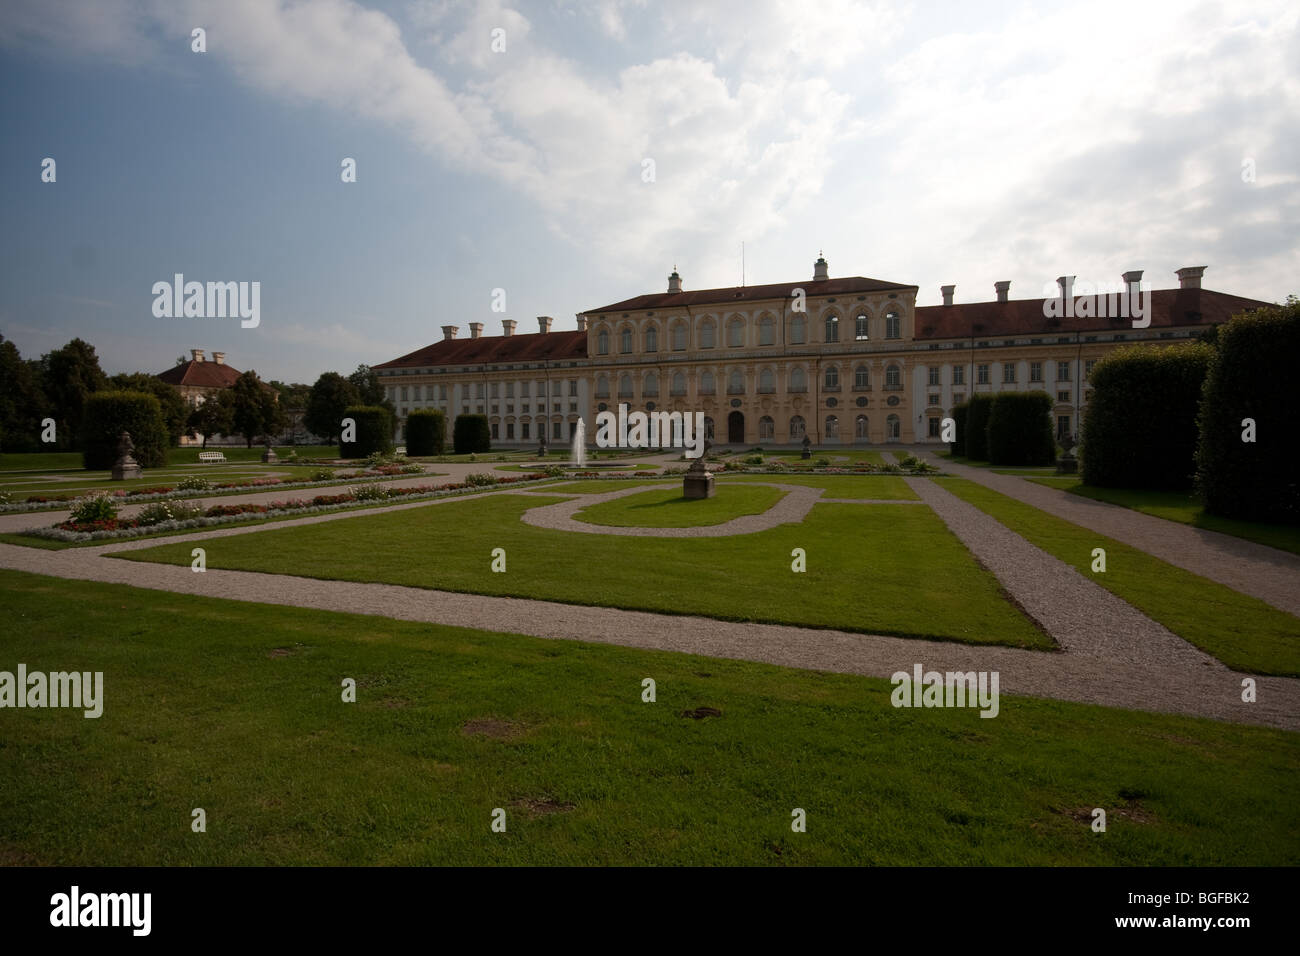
(844, 361)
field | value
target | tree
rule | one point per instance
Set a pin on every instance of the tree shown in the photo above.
(216, 416)
(70, 375)
(330, 398)
(174, 411)
(252, 415)
(108, 414)
(366, 381)
(22, 402)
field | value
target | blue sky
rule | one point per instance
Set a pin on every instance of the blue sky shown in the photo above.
(926, 143)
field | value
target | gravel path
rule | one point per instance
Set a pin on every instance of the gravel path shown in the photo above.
(1271, 575)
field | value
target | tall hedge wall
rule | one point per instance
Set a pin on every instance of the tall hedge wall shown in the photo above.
(426, 431)
(374, 431)
(959, 415)
(107, 414)
(1140, 429)
(470, 433)
(977, 427)
(1019, 429)
(1251, 376)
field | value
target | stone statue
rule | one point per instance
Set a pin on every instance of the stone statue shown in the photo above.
(269, 455)
(126, 467)
(698, 482)
(807, 447)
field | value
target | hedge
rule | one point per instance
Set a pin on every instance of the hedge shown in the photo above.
(1250, 376)
(958, 446)
(374, 431)
(1140, 427)
(470, 433)
(107, 414)
(977, 424)
(426, 431)
(1019, 429)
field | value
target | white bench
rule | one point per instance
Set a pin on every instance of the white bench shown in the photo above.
(210, 456)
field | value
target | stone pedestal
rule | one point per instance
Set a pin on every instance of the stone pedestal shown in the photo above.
(697, 484)
(1067, 465)
(126, 467)
(807, 448)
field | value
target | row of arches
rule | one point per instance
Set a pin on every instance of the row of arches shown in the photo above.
(735, 384)
(797, 428)
(739, 332)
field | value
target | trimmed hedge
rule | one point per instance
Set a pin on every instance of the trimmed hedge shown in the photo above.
(426, 431)
(471, 434)
(977, 427)
(1250, 377)
(959, 414)
(374, 431)
(1140, 427)
(107, 414)
(1020, 429)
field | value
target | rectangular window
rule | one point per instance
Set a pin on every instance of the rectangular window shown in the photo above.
(404, 393)
(959, 374)
(933, 400)
(982, 374)
(1008, 373)
(573, 387)
(934, 427)
(558, 430)
(891, 326)
(524, 389)
(523, 430)
(510, 389)
(860, 332)
(1035, 371)
(494, 430)
(1063, 396)
(1087, 367)
(510, 430)
(1062, 371)
(1062, 426)
(934, 375)
(496, 389)
(958, 397)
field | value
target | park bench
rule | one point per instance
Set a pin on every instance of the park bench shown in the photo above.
(210, 456)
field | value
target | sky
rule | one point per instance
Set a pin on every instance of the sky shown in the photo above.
(571, 154)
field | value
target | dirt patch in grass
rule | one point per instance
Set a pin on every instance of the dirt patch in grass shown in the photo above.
(541, 806)
(279, 652)
(491, 727)
(699, 713)
(1131, 809)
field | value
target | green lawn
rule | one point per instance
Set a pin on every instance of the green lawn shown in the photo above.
(542, 465)
(597, 486)
(838, 486)
(1242, 631)
(666, 508)
(837, 456)
(236, 708)
(920, 582)
(1185, 509)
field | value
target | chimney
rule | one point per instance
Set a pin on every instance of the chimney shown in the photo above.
(947, 291)
(1001, 288)
(1132, 280)
(1190, 277)
(449, 332)
(544, 323)
(582, 323)
(674, 281)
(1066, 285)
(820, 268)
(507, 326)
(196, 355)
(475, 329)
(219, 358)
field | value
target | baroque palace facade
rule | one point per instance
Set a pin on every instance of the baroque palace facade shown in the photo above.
(858, 364)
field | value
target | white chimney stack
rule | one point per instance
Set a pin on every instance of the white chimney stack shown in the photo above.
(1002, 288)
(947, 291)
(449, 332)
(219, 358)
(582, 323)
(544, 323)
(1132, 280)
(820, 269)
(674, 281)
(1066, 285)
(507, 326)
(475, 329)
(196, 355)
(1190, 277)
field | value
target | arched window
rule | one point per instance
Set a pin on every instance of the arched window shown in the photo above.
(860, 427)
(602, 342)
(625, 386)
(766, 428)
(892, 325)
(625, 340)
(736, 382)
(706, 384)
(651, 386)
(679, 337)
(766, 331)
(832, 377)
(832, 328)
(766, 381)
(893, 377)
(832, 428)
(706, 334)
(735, 333)
(861, 377)
(798, 330)
(860, 327)
(602, 386)
(679, 384)
(797, 428)
(798, 380)
(892, 428)
(652, 339)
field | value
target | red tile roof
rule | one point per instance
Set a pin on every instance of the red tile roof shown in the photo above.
(1168, 308)
(496, 350)
(750, 293)
(201, 375)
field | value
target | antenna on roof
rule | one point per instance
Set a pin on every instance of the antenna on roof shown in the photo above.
(742, 265)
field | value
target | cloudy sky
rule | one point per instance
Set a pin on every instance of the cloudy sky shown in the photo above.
(925, 143)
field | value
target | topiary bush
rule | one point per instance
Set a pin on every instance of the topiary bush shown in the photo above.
(959, 415)
(977, 423)
(1019, 429)
(1140, 428)
(374, 432)
(471, 433)
(426, 429)
(1249, 377)
(107, 414)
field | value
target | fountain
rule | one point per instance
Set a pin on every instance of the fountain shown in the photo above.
(578, 452)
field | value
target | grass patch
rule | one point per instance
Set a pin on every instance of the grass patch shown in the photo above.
(595, 486)
(863, 487)
(666, 508)
(236, 708)
(1242, 631)
(923, 584)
